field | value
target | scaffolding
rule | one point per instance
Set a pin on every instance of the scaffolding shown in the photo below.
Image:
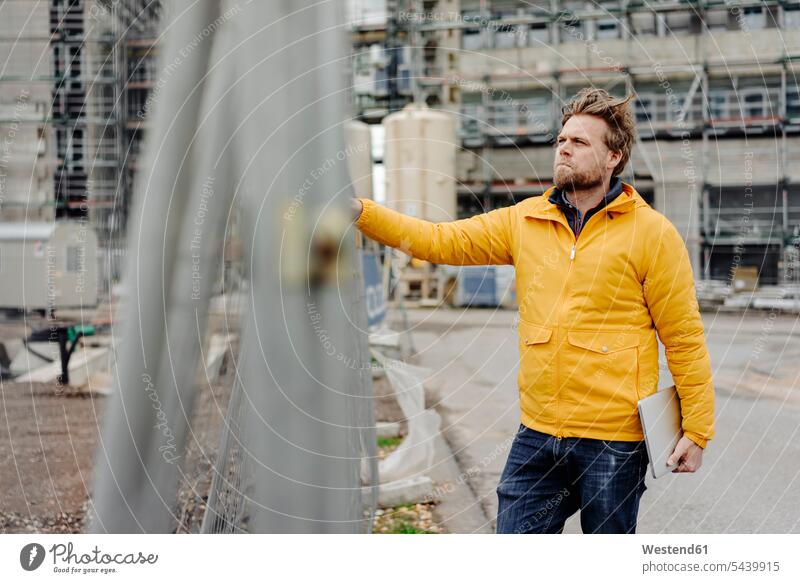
(65, 87)
(509, 100)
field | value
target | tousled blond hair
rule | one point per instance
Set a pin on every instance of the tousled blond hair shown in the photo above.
(617, 115)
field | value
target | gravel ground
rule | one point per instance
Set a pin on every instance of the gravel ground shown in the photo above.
(46, 452)
(411, 518)
(49, 436)
(386, 407)
(201, 454)
(407, 519)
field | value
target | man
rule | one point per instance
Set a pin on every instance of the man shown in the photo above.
(599, 274)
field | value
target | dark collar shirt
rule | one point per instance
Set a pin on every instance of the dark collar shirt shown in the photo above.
(573, 215)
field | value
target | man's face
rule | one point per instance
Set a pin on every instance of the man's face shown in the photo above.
(582, 159)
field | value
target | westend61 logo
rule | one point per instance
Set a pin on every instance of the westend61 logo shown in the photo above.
(65, 560)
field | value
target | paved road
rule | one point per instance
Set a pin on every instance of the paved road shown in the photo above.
(750, 480)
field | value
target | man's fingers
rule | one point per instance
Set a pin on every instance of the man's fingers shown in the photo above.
(686, 467)
(681, 449)
(356, 206)
(676, 455)
(686, 457)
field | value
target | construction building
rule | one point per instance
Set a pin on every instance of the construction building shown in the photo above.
(73, 96)
(717, 108)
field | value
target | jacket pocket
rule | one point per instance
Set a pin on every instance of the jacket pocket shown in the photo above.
(537, 371)
(603, 342)
(531, 334)
(601, 369)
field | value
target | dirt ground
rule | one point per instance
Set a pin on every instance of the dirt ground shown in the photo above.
(47, 441)
(201, 455)
(47, 452)
(386, 407)
(48, 436)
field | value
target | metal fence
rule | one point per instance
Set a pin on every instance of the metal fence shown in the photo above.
(253, 101)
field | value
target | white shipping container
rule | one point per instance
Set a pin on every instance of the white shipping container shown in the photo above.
(47, 266)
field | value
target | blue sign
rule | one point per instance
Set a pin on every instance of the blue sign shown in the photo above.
(376, 303)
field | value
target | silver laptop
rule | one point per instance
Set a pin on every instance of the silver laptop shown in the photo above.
(660, 414)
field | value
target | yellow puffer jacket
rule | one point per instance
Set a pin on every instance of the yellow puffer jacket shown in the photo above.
(589, 308)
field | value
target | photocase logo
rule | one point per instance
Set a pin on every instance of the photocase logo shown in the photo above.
(31, 556)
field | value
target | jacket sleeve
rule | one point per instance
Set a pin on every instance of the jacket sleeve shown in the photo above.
(480, 240)
(671, 298)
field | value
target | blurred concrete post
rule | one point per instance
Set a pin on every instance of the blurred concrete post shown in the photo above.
(300, 367)
(142, 442)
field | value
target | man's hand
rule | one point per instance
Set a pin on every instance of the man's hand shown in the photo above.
(356, 206)
(688, 455)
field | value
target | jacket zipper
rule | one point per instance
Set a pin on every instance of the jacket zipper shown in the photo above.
(558, 333)
(560, 310)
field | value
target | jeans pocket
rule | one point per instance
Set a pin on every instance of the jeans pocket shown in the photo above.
(624, 448)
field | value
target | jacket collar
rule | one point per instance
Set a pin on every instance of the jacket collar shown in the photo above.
(541, 207)
(559, 198)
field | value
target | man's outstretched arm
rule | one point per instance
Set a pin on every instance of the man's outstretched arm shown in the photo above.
(484, 239)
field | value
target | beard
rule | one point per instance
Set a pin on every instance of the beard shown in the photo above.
(569, 179)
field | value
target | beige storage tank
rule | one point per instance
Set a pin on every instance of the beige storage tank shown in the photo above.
(420, 161)
(358, 150)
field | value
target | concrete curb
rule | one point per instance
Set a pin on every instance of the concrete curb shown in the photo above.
(458, 509)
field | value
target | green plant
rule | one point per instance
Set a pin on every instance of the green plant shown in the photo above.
(389, 441)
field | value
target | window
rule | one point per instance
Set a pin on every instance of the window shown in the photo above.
(791, 16)
(75, 147)
(471, 39)
(75, 62)
(606, 28)
(676, 23)
(538, 34)
(403, 80)
(470, 116)
(381, 82)
(753, 103)
(403, 55)
(753, 18)
(718, 104)
(643, 23)
(536, 113)
(58, 62)
(717, 20)
(73, 259)
(572, 31)
(503, 116)
(505, 36)
(643, 106)
(793, 102)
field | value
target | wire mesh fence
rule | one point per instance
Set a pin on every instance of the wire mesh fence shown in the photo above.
(297, 439)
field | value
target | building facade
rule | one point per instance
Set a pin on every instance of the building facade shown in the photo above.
(717, 108)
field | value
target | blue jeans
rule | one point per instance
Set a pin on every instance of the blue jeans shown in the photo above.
(547, 479)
